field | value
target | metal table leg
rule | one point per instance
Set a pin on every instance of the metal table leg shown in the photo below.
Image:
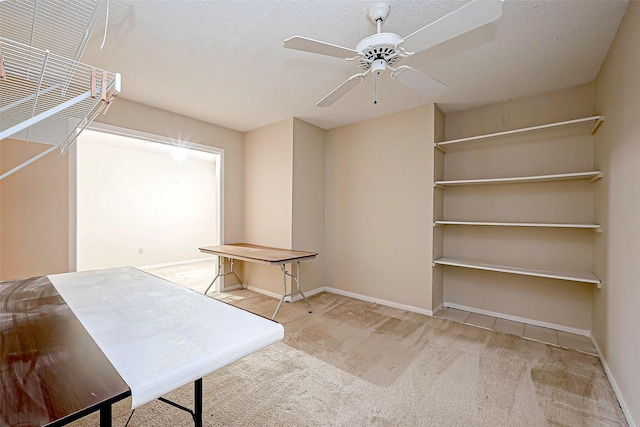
(221, 272)
(297, 279)
(285, 273)
(196, 414)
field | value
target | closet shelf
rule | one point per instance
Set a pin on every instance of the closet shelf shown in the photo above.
(596, 119)
(46, 94)
(47, 98)
(594, 227)
(592, 175)
(62, 28)
(583, 278)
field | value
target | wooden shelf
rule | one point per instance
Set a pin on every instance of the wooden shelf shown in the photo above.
(596, 119)
(583, 277)
(520, 224)
(592, 175)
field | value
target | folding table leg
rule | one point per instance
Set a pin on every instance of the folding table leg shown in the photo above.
(197, 415)
(105, 415)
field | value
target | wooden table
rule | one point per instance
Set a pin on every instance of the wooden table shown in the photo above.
(75, 343)
(261, 255)
(52, 371)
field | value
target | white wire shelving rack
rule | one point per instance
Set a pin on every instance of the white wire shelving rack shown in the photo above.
(46, 94)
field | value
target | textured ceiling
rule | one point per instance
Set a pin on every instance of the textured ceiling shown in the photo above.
(223, 61)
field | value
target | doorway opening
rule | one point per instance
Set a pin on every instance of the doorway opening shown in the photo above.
(143, 200)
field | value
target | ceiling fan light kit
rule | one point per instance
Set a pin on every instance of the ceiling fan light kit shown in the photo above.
(381, 51)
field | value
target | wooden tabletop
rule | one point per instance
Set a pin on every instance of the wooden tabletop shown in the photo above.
(258, 254)
(50, 366)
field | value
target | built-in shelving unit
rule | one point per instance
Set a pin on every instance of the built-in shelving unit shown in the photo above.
(453, 261)
(572, 276)
(592, 175)
(596, 119)
(520, 224)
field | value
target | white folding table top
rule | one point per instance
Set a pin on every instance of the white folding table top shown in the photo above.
(160, 336)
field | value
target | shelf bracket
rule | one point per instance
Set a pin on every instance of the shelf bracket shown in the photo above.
(441, 187)
(597, 125)
(439, 148)
(28, 162)
(596, 177)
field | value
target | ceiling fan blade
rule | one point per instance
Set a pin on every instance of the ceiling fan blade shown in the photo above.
(469, 17)
(322, 48)
(417, 81)
(341, 90)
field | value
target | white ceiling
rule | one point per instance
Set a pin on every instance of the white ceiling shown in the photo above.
(223, 61)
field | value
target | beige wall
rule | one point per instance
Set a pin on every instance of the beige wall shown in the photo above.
(268, 184)
(617, 251)
(379, 194)
(562, 150)
(35, 212)
(309, 144)
(284, 198)
(135, 195)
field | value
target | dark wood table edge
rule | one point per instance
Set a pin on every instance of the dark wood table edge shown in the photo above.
(104, 407)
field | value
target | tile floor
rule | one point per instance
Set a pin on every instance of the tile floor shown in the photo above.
(536, 333)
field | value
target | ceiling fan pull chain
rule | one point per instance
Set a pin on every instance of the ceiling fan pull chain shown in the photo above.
(375, 89)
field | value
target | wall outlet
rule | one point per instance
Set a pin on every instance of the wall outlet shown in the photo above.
(140, 251)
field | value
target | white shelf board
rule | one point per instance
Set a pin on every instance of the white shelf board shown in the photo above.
(520, 224)
(592, 175)
(582, 277)
(596, 119)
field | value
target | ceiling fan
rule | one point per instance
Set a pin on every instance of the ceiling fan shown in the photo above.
(382, 51)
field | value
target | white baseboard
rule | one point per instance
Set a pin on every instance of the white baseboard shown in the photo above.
(378, 301)
(614, 385)
(263, 292)
(169, 264)
(520, 319)
(231, 288)
(438, 308)
(353, 295)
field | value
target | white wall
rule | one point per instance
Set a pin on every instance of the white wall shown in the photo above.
(379, 192)
(131, 115)
(135, 195)
(616, 313)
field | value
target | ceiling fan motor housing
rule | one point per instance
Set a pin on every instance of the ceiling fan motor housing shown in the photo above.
(378, 46)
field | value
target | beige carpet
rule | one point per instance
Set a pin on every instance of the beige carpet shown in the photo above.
(352, 363)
